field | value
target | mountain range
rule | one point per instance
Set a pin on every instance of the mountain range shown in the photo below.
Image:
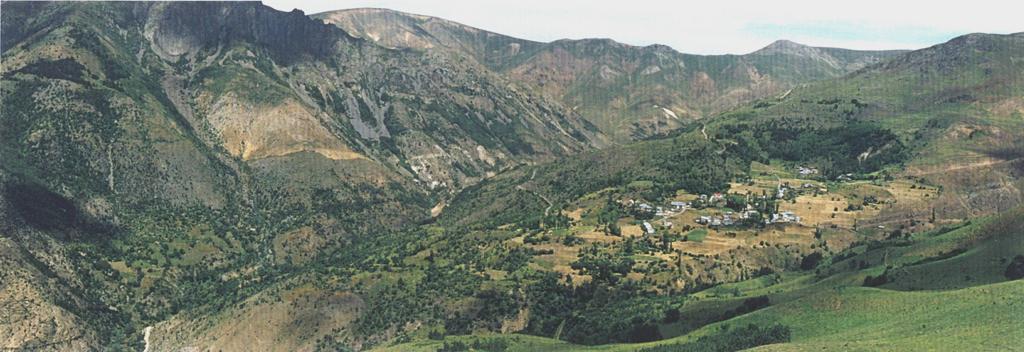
(629, 92)
(225, 176)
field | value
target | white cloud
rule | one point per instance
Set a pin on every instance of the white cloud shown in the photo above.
(713, 27)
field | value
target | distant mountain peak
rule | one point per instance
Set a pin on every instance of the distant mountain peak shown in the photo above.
(785, 46)
(378, 11)
(784, 43)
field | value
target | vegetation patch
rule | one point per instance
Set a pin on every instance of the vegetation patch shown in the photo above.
(728, 340)
(696, 235)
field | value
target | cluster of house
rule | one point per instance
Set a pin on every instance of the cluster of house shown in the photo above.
(726, 219)
(674, 207)
(711, 220)
(784, 188)
(649, 229)
(712, 199)
(729, 218)
(806, 171)
(783, 217)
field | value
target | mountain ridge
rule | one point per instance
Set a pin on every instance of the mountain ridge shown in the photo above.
(629, 92)
(185, 176)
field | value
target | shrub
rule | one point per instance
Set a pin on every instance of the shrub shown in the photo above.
(453, 346)
(811, 261)
(1015, 270)
(671, 316)
(749, 305)
(875, 281)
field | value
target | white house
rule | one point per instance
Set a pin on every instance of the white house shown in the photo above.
(648, 228)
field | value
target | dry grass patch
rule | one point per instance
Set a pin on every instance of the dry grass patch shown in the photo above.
(822, 210)
(631, 230)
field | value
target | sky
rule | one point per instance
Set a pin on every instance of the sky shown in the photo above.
(714, 26)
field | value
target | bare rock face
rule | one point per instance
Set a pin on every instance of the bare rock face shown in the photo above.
(252, 131)
(177, 31)
(311, 87)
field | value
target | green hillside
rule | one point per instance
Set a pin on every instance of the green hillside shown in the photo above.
(854, 319)
(835, 308)
(951, 113)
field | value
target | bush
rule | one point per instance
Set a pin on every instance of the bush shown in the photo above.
(671, 316)
(453, 346)
(645, 332)
(490, 345)
(811, 261)
(749, 305)
(1015, 270)
(875, 281)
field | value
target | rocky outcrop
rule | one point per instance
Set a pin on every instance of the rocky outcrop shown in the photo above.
(178, 30)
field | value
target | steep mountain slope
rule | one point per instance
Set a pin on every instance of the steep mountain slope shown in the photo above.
(342, 98)
(396, 29)
(46, 295)
(174, 156)
(209, 176)
(629, 92)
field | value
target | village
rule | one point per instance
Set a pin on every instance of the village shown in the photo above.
(739, 210)
(787, 209)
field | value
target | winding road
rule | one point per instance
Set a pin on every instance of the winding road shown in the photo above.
(541, 196)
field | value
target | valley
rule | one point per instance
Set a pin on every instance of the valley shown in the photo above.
(225, 176)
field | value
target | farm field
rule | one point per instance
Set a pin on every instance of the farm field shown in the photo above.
(835, 310)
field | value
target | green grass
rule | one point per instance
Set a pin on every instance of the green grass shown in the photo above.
(832, 309)
(516, 343)
(854, 318)
(976, 318)
(966, 256)
(697, 235)
(640, 185)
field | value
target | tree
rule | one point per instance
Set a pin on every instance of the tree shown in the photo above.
(672, 315)
(1015, 270)
(811, 261)
(614, 229)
